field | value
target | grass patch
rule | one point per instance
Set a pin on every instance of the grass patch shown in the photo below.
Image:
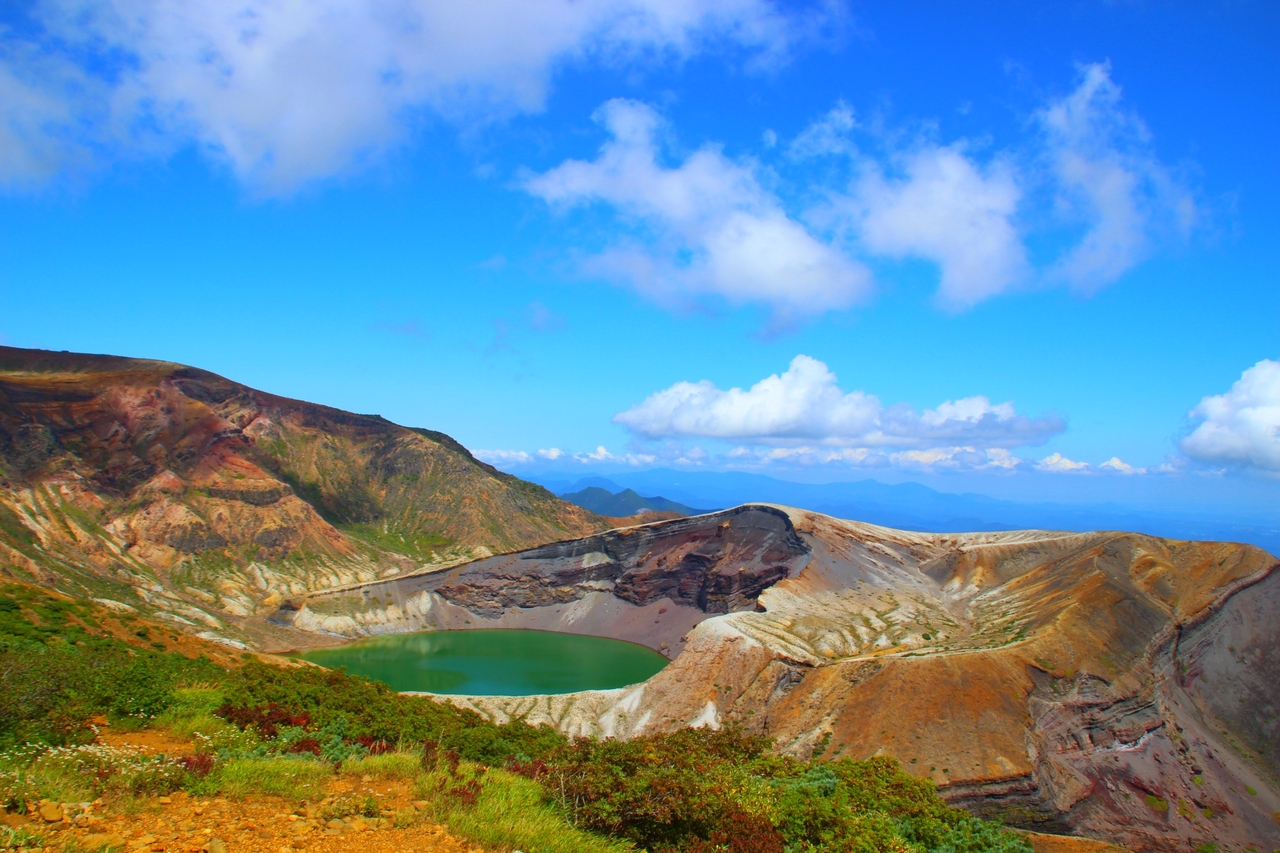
(294, 779)
(503, 810)
(192, 712)
(388, 765)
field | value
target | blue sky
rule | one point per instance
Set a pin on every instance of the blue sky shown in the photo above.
(1027, 250)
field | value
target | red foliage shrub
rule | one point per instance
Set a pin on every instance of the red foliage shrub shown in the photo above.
(466, 793)
(533, 769)
(307, 744)
(200, 763)
(267, 719)
(375, 746)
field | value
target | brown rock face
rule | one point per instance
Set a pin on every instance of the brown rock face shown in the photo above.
(167, 487)
(714, 564)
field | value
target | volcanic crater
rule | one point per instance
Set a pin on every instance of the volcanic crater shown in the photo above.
(1071, 682)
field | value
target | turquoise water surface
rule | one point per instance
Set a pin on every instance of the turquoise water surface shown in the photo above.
(487, 662)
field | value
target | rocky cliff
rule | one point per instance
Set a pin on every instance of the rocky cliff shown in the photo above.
(175, 491)
(1110, 684)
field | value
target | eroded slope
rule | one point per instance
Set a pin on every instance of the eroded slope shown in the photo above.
(177, 491)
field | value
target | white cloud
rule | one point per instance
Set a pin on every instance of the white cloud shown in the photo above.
(930, 461)
(522, 458)
(1086, 179)
(805, 405)
(503, 457)
(1241, 428)
(1056, 463)
(1116, 465)
(827, 136)
(1109, 179)
(946, 208)
(287, 91)
(712, 229)
(600, 454)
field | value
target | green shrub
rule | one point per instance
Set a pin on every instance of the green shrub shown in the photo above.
(54, 676)
(702, 790)
(268, 697)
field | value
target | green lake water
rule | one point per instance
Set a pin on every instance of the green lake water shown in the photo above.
(487, 662)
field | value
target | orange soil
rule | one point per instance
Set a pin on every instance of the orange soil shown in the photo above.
(185, 824)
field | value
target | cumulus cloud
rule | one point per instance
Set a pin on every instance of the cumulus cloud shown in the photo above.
(1056, 463)
(1241, 428)
(805, 406)
(286, 91)
(1109, 178)
(948, 209)
(711, 228)
(1118, 466)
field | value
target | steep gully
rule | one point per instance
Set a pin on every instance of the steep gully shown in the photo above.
(1109, 684)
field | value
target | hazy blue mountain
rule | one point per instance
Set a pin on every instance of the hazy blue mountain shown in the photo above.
(626, 502)
(912, 506)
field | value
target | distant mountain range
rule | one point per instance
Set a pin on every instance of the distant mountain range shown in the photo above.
(626, 502)
(912, 506)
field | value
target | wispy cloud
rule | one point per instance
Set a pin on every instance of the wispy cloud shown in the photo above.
(564, 459)
(1109, 179)
(288, 92)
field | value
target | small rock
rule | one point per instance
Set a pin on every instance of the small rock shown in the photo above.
(336, 824)
(164, 801)
(50, 812)
(366, 778)
(102, 841)
(359, 825)
(216, 845)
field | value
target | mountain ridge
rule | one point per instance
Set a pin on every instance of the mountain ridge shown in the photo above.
(186, 493)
